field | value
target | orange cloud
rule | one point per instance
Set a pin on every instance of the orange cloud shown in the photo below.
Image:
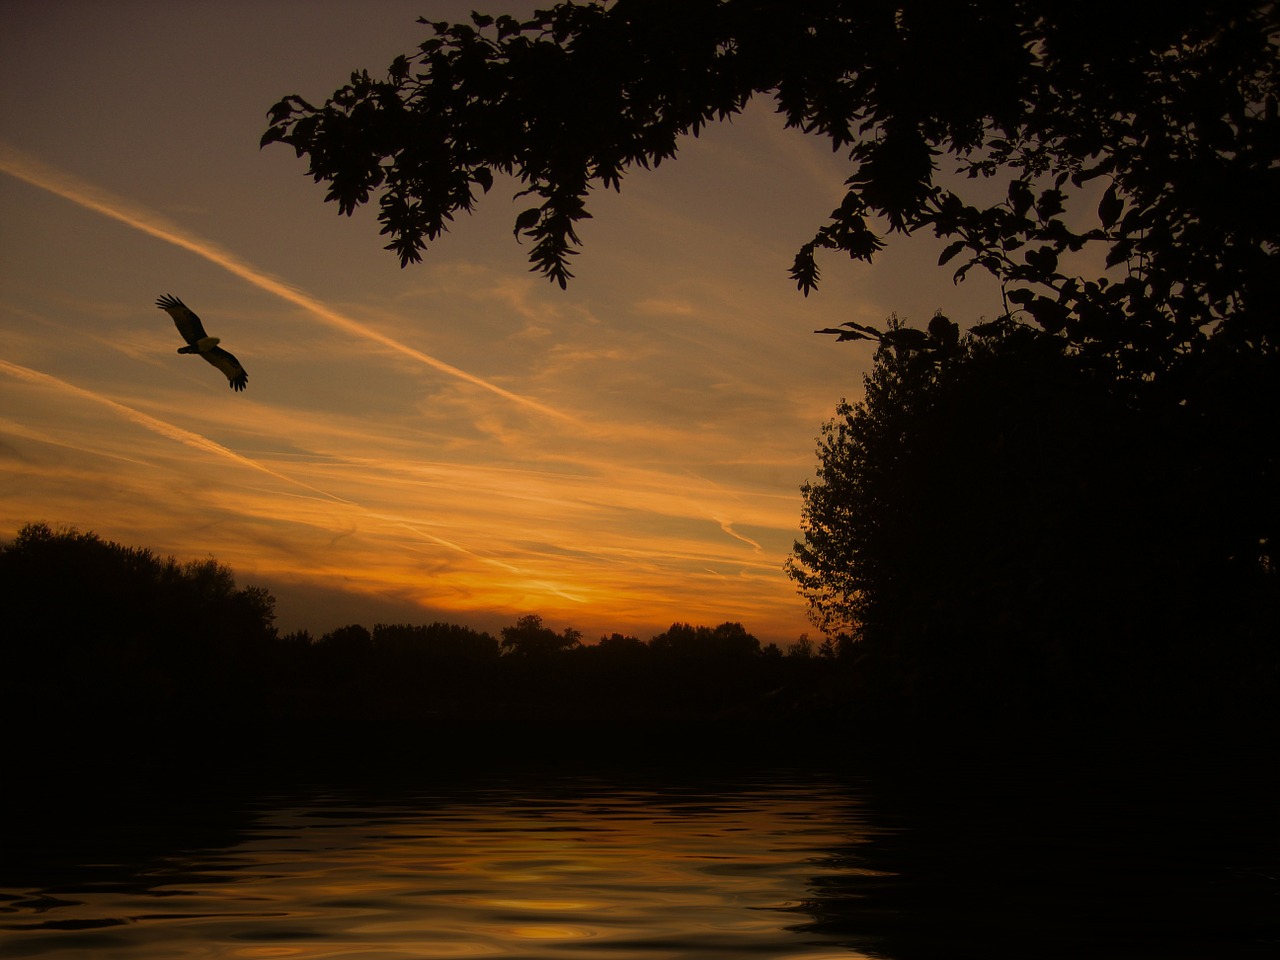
(38, 174)
(163, 428)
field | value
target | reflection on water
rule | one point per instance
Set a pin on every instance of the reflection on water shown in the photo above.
(575, 868)
(772, 867)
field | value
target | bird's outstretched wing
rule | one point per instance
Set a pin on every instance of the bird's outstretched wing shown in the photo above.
(188, 323)
(198, 341)
(229, 365)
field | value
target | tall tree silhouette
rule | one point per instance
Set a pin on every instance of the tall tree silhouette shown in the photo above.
(1114, 167)
(1003, 527)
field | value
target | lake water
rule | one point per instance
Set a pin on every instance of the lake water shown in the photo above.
(782, 865)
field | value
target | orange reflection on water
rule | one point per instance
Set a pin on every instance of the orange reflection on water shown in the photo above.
(537, 905)
(641, 874)
(546, 932)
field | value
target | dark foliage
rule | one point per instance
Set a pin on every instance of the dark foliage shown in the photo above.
(101, 636)
(1011, 534)
(1143, 136)
(114, 652)
(1074, 505)
(111, 685)
(529, 638)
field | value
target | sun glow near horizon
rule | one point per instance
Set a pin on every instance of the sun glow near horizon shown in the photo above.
(459, 440)
(458, 556)
(267, 516)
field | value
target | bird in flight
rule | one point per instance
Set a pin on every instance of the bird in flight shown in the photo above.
(201, 343)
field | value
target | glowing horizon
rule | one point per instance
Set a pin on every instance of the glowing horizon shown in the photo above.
(614, 457)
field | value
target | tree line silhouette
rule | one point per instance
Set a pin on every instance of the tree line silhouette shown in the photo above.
(1015, 536)
(116, 656)
(115, 652)
(1057, 524)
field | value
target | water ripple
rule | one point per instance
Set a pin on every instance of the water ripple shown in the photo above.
(785, 868)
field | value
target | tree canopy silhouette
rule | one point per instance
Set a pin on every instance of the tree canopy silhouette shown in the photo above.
(527, 638)
(722, 643)
(97, 632)
(183, 665)
(1113, 432)
(1160, 118)
(76, 590)
(994, 515)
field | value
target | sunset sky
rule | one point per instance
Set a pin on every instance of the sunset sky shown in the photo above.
(459, 440)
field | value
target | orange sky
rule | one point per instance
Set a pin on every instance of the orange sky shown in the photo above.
(460, 440)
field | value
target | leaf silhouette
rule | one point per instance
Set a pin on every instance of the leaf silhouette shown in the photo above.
(526, 220)
(1109, 207)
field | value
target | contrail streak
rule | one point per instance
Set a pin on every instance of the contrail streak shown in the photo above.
(163, 428)
(38, 174)
(491, 561)
(173, 432)
(727, 527)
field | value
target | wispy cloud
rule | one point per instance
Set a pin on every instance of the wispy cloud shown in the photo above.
(30, 170)
(252, 504)
(493, 562)
(154, 424)
(619, 456)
